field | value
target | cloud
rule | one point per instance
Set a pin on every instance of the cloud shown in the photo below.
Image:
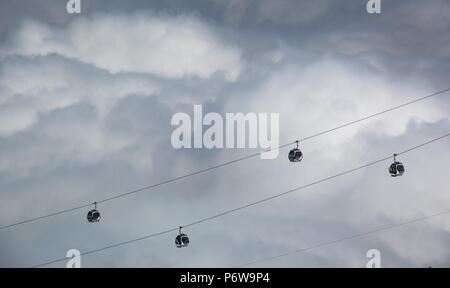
(283, 12)
(85, 110)
(33, 86)
(161, 44)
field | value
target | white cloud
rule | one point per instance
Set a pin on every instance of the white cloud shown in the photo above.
(31, 86)
(172, 46)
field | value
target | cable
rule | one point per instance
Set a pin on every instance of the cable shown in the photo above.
(253, 203)
(313, 183)
(374, 115)
(332, 242)
(223, 164)
(110, 246)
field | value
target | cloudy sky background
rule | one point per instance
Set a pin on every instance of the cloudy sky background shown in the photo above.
(85, 108)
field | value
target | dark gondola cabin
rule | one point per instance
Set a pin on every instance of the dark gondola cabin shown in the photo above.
(396, 168)
(94, 215)
(295, 155)
(182, 240)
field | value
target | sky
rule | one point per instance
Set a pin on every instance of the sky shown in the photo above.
(86, 102)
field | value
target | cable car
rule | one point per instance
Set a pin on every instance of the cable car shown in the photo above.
(396, 168)
(182, 240)
(295, 155)
(93, 215)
